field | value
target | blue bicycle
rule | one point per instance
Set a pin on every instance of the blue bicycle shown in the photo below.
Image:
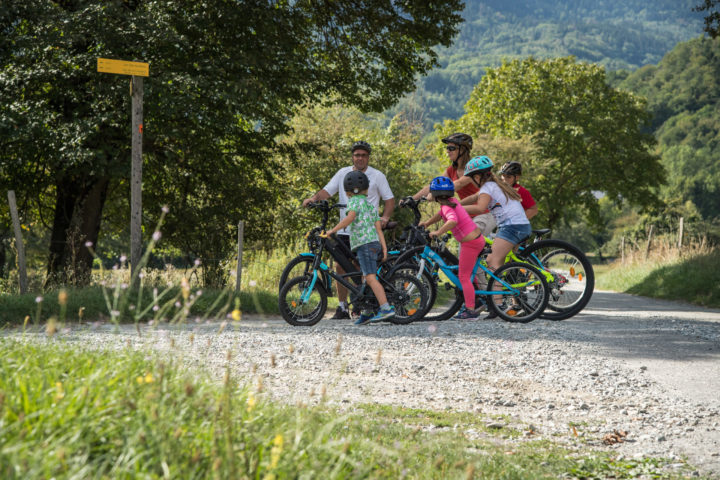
(516, 292)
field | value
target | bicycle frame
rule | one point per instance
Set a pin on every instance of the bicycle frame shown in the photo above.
(449, 271)
(512, 257)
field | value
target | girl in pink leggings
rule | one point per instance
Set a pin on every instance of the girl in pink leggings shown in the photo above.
(465, 231)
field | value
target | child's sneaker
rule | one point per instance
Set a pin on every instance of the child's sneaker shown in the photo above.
(384, 314)
(466, 314)
(364, 318)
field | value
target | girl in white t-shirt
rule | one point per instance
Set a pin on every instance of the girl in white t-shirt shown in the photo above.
(504, 203)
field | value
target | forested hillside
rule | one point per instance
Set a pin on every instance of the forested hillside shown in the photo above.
(618, 34)
(683, 93)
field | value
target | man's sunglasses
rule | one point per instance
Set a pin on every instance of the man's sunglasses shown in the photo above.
(451, 148)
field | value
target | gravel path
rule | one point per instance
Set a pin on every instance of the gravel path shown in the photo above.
(646, 367)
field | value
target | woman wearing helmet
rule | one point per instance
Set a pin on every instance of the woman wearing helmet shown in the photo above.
(504, 204)
(465, 231)
(458, 147)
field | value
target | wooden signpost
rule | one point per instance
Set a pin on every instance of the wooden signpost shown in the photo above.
(136, 70)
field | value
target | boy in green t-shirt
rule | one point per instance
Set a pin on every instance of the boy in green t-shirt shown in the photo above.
(367, 239)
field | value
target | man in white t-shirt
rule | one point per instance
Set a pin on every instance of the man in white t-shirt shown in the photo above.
(379, 189)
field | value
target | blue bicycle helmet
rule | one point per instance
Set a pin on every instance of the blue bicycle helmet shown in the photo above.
(442, 187)
(478, 165)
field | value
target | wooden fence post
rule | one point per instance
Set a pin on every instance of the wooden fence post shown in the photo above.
(622, 250)
(680, 232)
(18, 242)
(136, 84)
(238, 278)
(649, 240)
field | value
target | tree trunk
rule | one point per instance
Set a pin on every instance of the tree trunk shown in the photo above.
(78, 211)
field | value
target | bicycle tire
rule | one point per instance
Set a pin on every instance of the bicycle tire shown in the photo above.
(425, 277)
(301, 314)
(574, 277)
(450, 306)
(408, 295)
(532, 292)
(288, 273)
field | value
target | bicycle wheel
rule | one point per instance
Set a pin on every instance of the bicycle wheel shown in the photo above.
(299, 312)
(424, 275)
(408, 295)
(573, 278)
(446, 298)
(297, 267)
(526, 293)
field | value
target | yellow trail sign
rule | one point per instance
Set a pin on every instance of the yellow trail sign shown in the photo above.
(122, 67)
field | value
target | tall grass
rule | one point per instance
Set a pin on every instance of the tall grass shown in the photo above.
(690, 274)
(68, 413)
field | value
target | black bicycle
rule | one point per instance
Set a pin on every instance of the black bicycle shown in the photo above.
(303, 298)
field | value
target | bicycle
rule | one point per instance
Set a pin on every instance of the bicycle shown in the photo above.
(303, 299)
(341, 254)
(522, 286)
(567, 270)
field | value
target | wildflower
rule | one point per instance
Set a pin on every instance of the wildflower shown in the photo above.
(236, 315)
(59, 391)
(62, 297)
(156, 235)
(155, 308)
(165, 209)
(123, 259)
(114, 313)
(251, 402)
(276, 451)
(38, 299)
(148, 378)
(88, 244)
(197, 262)
(141, 274)
(178, 304)
(252, 283)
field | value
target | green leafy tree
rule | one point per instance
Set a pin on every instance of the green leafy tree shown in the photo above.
(225, 77)
(683, 94)
(589, 136)
(712, 17)
(324, 136)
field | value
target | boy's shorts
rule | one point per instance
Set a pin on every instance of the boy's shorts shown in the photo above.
(367, 256)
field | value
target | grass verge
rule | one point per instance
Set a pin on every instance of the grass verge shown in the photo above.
(66, 412)
(90, 303)
(692, 279)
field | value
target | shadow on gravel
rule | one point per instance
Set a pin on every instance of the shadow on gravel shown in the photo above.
(621, 325)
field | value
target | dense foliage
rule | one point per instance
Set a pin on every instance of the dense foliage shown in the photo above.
(613, 33)
(683, 93)
(225, 78)
(588, 135)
